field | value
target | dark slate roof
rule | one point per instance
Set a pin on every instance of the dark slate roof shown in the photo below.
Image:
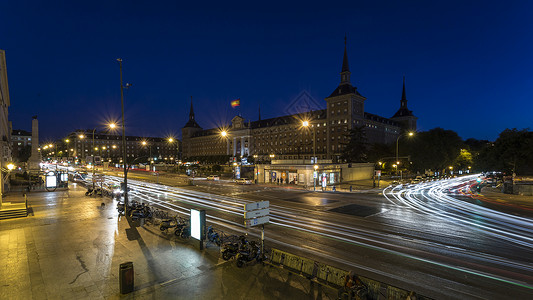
(380, 119)
(21, 132)
(344, 89)
(289, 119)
(207, 132)
(192, 123)
(403, 112)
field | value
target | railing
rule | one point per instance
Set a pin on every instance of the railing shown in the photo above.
(335, 278)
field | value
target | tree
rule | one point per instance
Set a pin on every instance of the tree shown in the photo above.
(436, 149)
(379, 151)
(463, 160)
(356, 148)
(511, 152)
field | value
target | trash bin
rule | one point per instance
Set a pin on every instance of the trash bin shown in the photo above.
(126, 277)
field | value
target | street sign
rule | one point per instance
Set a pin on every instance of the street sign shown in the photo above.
(98, 178)
(256, 221)
(250, 214)
(256, 205)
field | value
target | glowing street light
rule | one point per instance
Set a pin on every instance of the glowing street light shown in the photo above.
(172, 140)
(306, 125)
(408, 134)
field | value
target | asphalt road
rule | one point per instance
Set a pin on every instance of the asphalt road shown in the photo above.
(430, 238)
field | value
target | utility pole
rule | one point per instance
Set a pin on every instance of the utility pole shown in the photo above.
(123, 141)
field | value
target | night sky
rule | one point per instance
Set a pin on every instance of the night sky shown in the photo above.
(468, 64)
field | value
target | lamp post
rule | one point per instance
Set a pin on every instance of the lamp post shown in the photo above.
(111, 126)
(93, 162)
(397, 140)
(124, 139)
(306, 124)
(171, 140)
(144, 143)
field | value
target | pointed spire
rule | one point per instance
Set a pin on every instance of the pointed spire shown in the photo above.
(403, 91)
(191, 113)
(259, 112)
(345, 66)
(345, 72)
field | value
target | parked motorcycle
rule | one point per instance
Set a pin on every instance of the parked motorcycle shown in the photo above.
(120, 207)
(213, 236)
(248, 253)
(183, 230)
(169, 223)
(93, 192)
(232, 248)
(141, 212)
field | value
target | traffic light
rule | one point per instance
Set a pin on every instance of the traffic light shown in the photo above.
(478, 179)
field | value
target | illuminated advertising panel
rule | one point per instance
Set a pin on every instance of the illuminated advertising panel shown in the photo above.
(195, 224)
(51, 179)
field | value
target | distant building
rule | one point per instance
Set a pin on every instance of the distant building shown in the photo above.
(20, 145)
(109, 147)
(285, 138)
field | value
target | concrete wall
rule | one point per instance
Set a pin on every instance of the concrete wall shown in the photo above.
(524, 189)
(359, 171)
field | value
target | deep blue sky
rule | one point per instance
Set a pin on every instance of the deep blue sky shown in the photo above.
(468, 64)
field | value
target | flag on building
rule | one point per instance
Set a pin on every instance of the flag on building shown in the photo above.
(235, 103)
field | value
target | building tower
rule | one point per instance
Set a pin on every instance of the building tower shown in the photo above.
(190, 128)
(404, 116)
(345, 109)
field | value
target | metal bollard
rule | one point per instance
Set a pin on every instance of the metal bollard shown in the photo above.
(126, 277)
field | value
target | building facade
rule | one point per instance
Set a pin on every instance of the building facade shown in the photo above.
(20, 145)
(5, 124)
(81, 145)
(324, 136)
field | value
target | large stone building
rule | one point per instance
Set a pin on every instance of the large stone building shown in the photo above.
(5, 124)
(285, 137)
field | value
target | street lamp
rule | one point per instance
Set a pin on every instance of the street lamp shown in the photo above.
(314, 178)
(306, 125)
(111, 126)
(124, 138)
(171, 140)
(397, 140)
(145, 143)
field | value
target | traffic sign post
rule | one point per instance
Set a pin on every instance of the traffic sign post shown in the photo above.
(257, 213)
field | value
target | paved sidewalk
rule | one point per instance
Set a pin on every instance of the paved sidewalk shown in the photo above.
(496, 195)
(71, 247)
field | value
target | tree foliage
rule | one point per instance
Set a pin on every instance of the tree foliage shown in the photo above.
(356, 148)
(436, 149)
(511, 152)
(377, 151)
